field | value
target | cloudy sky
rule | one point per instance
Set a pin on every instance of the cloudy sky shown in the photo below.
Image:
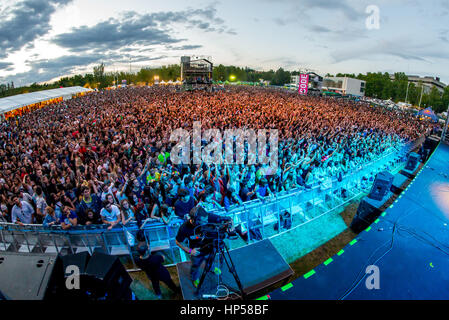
(41, 40)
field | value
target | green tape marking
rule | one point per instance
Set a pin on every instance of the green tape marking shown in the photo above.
(286, 287)
(328, 261)
(383, 214)
(262, 298)
(309, 274)
(368, 229)
(353, 241)
(377, 220)
(340, 252)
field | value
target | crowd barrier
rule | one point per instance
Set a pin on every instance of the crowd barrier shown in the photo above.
(259, 217)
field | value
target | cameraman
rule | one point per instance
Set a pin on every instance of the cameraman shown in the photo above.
(190, 230)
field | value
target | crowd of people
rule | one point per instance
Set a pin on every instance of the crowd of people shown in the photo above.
(104, 158)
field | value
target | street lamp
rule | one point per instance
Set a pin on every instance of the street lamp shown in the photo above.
(232, 77)
(406, 94)
(422, 89)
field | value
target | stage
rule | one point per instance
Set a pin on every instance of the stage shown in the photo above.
(409, 243)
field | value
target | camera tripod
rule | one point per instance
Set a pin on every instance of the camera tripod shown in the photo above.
(220, 249)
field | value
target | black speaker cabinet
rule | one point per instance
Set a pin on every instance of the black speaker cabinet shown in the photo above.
(381, 185)
(412, 161)
(25, 276)
(368, 211)
(107, 278)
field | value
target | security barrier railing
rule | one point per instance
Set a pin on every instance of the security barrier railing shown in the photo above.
(263, 219)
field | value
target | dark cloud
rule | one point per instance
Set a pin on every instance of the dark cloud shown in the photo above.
(24, 22)
(133, 28)
(185, 47)
(320, 29)
(6, 66)
(114, 34)
(444, 36)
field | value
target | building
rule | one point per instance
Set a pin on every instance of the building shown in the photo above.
(427, 82)
(345, 85)
(315, 81)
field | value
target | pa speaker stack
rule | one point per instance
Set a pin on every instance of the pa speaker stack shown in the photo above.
(102, 277)
(25, 276)
(431, 142)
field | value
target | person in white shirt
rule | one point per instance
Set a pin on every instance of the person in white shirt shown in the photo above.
(110, 214)
(22, 212)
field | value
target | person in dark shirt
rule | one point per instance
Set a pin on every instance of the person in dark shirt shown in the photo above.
(151, 264)
(89, 218)
(247, 192)
(187, 231)
(184, 204)
(88, 201)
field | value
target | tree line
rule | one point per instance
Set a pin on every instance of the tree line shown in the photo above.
(378, 85)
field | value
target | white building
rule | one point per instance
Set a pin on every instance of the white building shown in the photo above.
(427, 82)
(294, 80)
(345, 85)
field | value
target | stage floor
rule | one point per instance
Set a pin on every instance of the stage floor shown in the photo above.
(409, 244)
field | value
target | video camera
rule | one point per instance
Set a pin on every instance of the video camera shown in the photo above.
(211, 227)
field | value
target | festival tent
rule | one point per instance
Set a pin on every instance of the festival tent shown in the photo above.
(21, 100)
(428, 112)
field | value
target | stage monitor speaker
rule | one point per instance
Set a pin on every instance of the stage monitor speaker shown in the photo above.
(25, 276)
(107, 278)
(412, 161)
(367, 213)
(381, 185)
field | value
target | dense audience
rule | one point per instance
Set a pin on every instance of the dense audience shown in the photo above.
(104, 158)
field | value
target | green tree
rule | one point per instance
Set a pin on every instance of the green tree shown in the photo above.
(99, 76)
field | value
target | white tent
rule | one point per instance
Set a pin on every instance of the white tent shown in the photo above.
(170, 82)
(26, 99)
